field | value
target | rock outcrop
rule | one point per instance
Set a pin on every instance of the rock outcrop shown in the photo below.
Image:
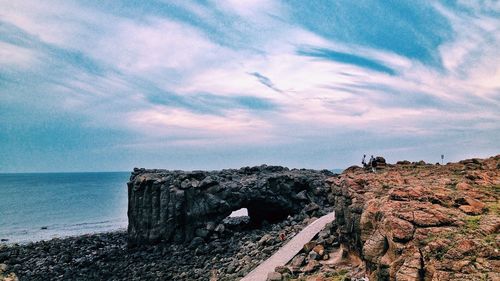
(178, 206)
(416, 221)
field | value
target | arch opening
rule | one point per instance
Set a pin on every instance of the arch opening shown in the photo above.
(243, 212)
(263, 211)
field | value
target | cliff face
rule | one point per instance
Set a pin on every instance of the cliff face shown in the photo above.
(178, 206)
(415, 221)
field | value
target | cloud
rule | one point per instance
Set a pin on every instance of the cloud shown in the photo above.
(265, 81)
(155, 45)
(281, 77)
(15, 56)
(347, 58)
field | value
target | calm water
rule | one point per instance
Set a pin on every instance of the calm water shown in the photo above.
(66, 203)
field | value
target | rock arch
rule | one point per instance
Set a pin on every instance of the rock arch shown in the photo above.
(177, 206)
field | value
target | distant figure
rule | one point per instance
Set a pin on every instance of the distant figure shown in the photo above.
(442, 159)
(364, 161)
(372, 163)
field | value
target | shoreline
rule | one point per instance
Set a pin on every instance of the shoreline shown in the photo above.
(230, 255)
(11, 242)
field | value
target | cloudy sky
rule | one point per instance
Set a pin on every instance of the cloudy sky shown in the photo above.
(110, 85)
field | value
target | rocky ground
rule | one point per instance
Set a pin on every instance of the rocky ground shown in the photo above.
(408, 221)
(228, 255)
(418, 221)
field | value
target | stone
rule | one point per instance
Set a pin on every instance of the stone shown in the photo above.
(311, 207)
(313, 256)
(211, 226)
(474, 207)
(203, 233)
(302, 195)
(375, 247)
(298, 261)
(266, 240)
(220, 228)
(319, 249)
(401, 230)
(197, 241)
(409, 271)
(274, 276)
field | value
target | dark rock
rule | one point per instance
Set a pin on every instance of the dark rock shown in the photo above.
(177, 206)
(197, 241)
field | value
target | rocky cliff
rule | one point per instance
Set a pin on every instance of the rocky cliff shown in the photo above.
(409, 221)
(417, 221)
(178, 206)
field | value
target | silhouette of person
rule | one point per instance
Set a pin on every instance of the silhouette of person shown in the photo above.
(372, 163)
(364, 161)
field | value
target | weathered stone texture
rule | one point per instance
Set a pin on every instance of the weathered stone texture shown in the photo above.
(416, 221)
(177, 205)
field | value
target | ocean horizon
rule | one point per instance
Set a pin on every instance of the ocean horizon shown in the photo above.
(42, 206)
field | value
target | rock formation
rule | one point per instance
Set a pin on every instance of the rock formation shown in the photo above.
(416, 221)
(178, 206)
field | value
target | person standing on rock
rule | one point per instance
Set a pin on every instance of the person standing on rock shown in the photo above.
(364, 161)
(372, 163)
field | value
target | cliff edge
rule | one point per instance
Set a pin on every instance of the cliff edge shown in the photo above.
(418, 221)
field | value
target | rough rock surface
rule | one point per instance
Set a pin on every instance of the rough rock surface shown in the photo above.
(416, 221)
(178, 206)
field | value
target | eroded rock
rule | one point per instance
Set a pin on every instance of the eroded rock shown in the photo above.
(178, 206)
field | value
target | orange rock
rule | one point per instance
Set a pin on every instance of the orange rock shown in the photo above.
(401, 230)
(475, 203)
(319, 249)
(409, 216)
(469, 210)
(463, 186)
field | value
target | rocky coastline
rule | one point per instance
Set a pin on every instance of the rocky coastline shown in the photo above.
(406, 221)
(106, 256)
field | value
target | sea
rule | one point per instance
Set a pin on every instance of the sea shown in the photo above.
(42, 206)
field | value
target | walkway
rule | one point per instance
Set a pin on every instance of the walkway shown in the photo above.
(287, 252)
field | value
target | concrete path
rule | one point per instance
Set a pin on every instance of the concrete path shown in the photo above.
(287, 252)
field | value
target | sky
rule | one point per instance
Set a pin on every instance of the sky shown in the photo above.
(111, 85)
